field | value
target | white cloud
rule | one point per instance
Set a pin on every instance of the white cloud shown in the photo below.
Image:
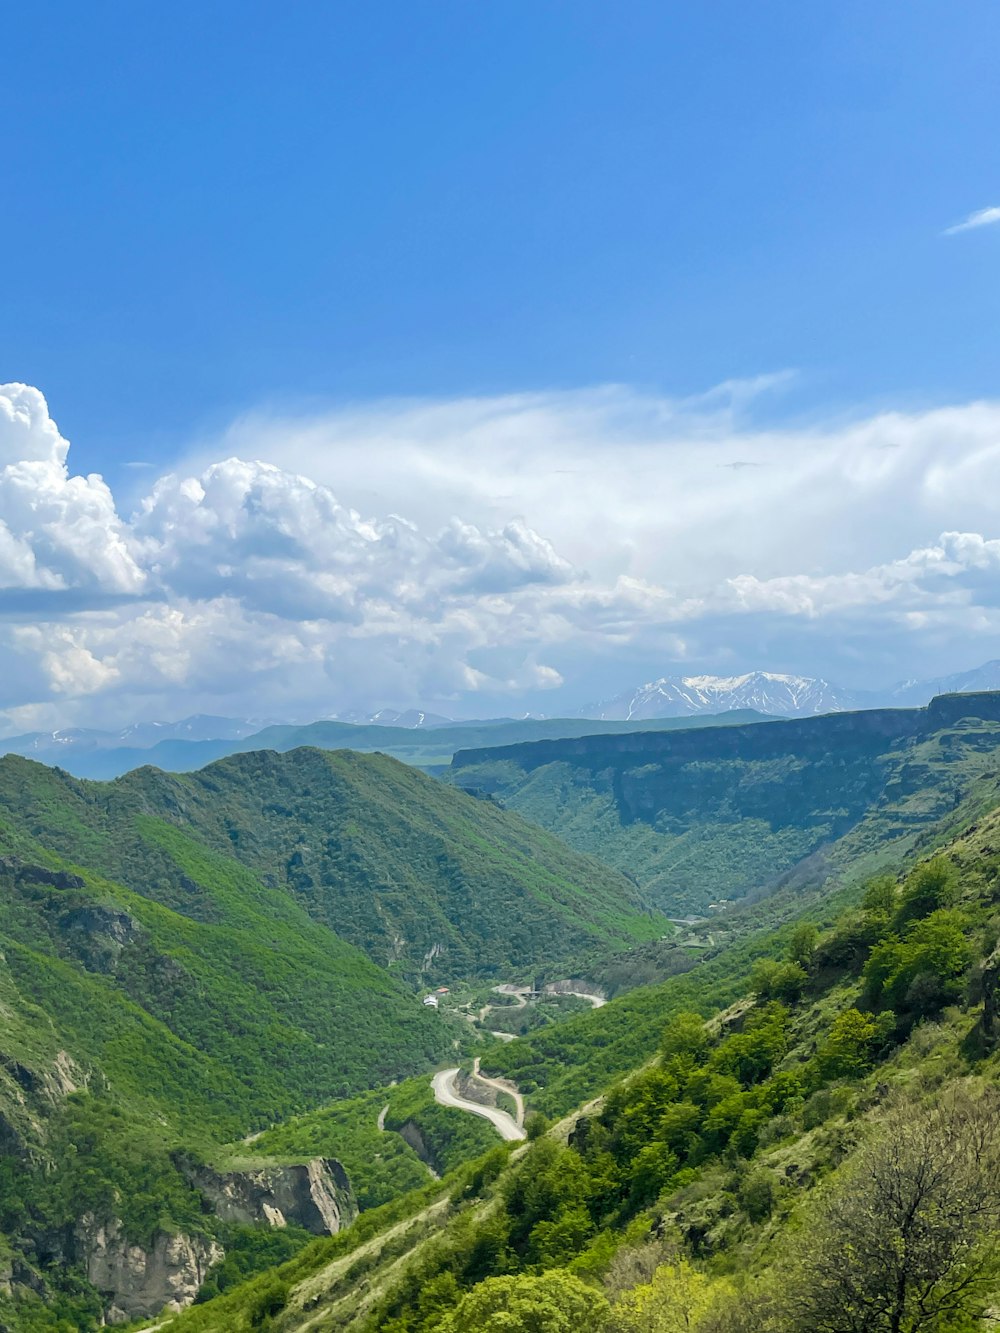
(983, 217)
(56, 531)
(494, 548)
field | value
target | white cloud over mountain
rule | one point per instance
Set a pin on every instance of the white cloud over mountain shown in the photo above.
(498, 547)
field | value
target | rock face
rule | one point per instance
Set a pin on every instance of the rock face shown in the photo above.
(99, 935)
(137, 1281)
(316, 1196)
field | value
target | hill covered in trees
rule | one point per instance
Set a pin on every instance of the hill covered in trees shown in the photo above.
(186, 960)
(818, 1155)
(708, 815)
(424, 880)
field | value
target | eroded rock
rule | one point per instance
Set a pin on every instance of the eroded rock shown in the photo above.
(316, 1196)
(135, 1280)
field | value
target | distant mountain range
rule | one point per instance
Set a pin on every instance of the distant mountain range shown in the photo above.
(48, 745)
(195, 741)
(778, 695)
(763, 691)
(429, 748)
(413, 719)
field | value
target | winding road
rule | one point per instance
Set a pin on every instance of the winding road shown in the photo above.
(596, 1000)
(445, 1094)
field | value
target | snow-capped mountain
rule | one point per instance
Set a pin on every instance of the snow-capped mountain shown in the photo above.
(780, 695)
(764, 691)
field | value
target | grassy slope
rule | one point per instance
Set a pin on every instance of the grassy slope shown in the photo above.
(706, 817)
(418, 876)
(360, 1282)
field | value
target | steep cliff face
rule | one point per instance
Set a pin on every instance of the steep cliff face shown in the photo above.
(703, 816)
(316, 1196)
(136, 1279)
(139, 1280)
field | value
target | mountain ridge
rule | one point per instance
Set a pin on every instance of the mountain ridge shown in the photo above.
(702, 817)
(780, 694)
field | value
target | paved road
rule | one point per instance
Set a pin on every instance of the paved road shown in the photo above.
(503, 1085)
(595, 1000)
(445, 1094)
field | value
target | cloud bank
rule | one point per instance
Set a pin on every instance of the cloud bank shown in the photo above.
(493, 554)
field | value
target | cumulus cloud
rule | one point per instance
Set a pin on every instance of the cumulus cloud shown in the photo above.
(626, 483)
(983, 217)
(484, 551)
(57, 531)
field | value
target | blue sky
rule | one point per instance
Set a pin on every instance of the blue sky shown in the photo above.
(226, 225)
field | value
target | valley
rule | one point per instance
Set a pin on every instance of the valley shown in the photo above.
(702, 819)
(215, 1045)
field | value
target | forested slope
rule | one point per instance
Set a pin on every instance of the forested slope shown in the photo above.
(703, 816)
(421, 877)
(819, 1156)
(186, 960)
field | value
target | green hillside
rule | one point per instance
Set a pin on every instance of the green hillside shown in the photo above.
(424, 879)
(185, 960)
(701, 817)
(820, 1155)
(190, 959)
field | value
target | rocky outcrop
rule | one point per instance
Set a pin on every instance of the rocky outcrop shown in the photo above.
(99, 935)
(409, 1132)
(28, 1094)
(316, 1195)
(140, 1280)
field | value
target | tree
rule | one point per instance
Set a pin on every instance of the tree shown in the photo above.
(685, 1037)
(879, 901)
(803, 944)
(751, 1054)
(778, 981)
(554, 1302)
(673, 1302)
(847, 1049)
(926, 889)
(903, 1240)
(757, 1193)
(921, 973)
